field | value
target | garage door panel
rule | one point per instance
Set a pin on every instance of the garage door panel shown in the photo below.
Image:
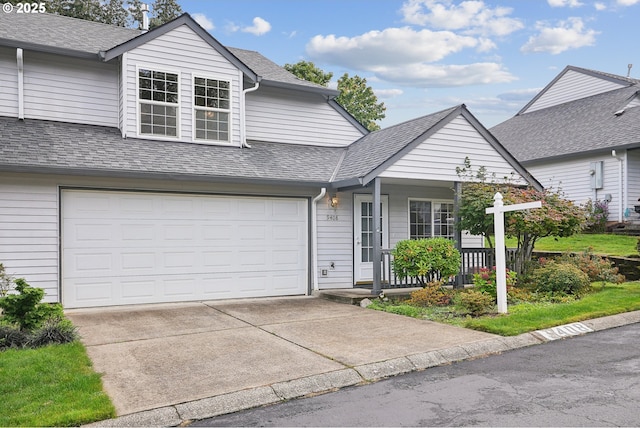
(126, 248)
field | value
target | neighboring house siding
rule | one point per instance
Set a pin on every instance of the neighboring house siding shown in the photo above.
(572, 178)
(455, 141)
(182, 51)
(633, 176)
(9, 86)
(70, 89)
(285, 116)
(570, 87)
(29, 218)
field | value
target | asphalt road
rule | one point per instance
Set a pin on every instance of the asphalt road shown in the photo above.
(590, 380)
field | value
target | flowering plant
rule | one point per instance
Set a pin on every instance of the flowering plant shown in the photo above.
(597, 216)
(485, 280)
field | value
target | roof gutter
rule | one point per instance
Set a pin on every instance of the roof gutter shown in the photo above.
(331, 93)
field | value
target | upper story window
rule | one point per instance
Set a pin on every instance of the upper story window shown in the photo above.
(158, 98)
(429, 219)
(212, 108)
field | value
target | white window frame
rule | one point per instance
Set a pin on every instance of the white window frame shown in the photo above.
(194, 109)
(433, 202)
(139, 101)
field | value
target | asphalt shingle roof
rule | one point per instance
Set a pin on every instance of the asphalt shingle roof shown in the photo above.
(49, 32)
(271, 71)
(64, 147)
(580, 126)
(61, 32)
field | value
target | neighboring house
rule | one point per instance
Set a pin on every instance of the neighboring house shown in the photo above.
(161, 166)
(581, 135)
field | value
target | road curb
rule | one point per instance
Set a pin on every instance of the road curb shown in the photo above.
(326, 382)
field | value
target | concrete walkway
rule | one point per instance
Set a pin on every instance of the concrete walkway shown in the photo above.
(166, 364)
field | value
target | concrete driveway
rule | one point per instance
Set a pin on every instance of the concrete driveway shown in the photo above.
(154, 356)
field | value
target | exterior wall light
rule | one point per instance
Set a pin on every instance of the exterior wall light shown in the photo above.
(333, 201)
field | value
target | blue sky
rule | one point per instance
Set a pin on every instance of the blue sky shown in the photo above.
(422, 56)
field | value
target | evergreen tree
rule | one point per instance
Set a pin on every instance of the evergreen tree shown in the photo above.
(355, 97)
(164, 11)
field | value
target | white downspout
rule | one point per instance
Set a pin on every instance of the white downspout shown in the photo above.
(20, 61)
(620, 184)
(243, 113)
(314, 237)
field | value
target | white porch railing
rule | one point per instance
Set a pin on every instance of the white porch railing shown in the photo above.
(473, 259)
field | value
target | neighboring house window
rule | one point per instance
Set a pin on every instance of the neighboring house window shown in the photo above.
(429, 219)
(158, 98)
(212, 105)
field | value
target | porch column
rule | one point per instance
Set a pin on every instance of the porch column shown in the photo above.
(457, 188)
(377, 241)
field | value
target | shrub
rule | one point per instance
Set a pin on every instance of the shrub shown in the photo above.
(561, 278)
(55, 330)
(598, 268)
(518, 295)
(485, 280)
(433, 294)
(474, 302)
(25, 309)
(597, 216)
(426, 259)
(12, 337)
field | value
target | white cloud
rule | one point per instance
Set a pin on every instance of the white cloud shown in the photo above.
(569, 34)
(390, 46)
(470, 17)
(627, 2)
(388, 93)
(565, 3)
(259, 27)
(204, 22)
(440, 76)
(600, 6)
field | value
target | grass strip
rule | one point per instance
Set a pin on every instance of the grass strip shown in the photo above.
(51, 386)
(603, 244)
(525, 317)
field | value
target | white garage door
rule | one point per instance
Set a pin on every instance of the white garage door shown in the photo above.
(122, 248)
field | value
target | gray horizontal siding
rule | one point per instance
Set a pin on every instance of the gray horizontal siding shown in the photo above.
(572, 179)
(572, 86)
(288, 117)
(29, 232)
(633, 186)
(70, 90)
(9, 86)
(438, 156)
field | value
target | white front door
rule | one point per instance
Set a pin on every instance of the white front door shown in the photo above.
(363, 235)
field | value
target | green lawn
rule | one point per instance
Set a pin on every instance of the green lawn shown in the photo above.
(610, 300)
(604, 244)
(51, 386)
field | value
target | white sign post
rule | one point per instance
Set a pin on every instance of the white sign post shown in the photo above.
(498, 211)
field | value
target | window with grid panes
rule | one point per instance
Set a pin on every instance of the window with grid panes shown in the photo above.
(212, 105)
(429, 219)
(158, 98)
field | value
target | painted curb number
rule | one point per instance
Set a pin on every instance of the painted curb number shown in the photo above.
(554, 333)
